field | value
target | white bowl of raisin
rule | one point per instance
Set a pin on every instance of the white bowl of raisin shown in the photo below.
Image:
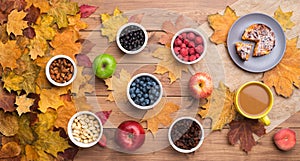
(186, 134)
(132, 38)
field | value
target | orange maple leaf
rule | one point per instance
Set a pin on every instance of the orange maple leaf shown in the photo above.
(15, 23)
(65, 43)
(154, 118)
(221, 25)
(9, 53)
(287, 73)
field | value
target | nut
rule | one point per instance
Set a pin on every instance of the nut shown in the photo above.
(61, 70)
(85, 128)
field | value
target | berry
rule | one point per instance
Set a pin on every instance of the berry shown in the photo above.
(192, 58)
(186, 41)
(198, 40)
(191, 44)
(177, 49)
(199, 49)
(198, 55)
(191, 36)
(285, 139)
(192, 51)
(184, 52)
(186, 58)
(177, 42)
(182, 45)
(183, 35)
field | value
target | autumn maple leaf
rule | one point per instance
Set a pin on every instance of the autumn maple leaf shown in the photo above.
(87, 10)
(24, 104)
(220, 107)
(15, 23)
(242, 130)
(7, 100)
(9, 123)
(221, 25)
(286, 74)
(9, 53)
(284, 19)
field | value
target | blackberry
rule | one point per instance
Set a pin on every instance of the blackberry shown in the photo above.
(132, 38)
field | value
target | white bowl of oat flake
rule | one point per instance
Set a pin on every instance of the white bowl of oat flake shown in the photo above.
(85, 129)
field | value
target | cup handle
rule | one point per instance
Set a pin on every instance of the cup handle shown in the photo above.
(265, 120)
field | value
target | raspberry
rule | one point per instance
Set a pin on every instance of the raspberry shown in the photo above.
(192, 51)
(192, 58)
(180, 37)
(177, 42)
(186, 58)
(182, 45)
(184, 52)
(191, 36)
(186, 41)
(191, 44)
(176, 49)
(198, 55)
(183, 35)
(199, 49)
(198, 40)
(180, 57)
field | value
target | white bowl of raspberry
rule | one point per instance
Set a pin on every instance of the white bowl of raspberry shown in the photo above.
(188, 46)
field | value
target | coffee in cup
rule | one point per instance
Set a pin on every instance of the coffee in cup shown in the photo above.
(254, 100)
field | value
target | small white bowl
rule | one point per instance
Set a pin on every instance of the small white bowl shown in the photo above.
(48, 75)
(121, 30)
(196, 32)
(132, 101)
(70, 131)
(185, 150)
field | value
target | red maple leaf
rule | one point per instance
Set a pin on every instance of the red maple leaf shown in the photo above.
(243, 130)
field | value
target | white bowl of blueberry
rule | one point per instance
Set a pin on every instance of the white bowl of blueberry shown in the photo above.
(144, 91)
(132, 38)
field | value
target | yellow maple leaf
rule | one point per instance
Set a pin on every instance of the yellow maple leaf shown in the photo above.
(10, 150)
(24, 104)
(284, 19)
(287, 73)
(65, 112)
(15, 22)
(44, 27)
(81, 83)
(219, 108)
(154, 118)
(43, 5)
(112, 23)
(38, 47)
(119, 86)
(51, 98)
(9, 53)
(221, 25)
(30, 153)
(76, 22)
(108, 83)
(168, 64)
(42, 81)
(65, 43)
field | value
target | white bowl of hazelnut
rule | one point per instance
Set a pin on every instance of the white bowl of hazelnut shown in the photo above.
(61, 70)
(85, 129)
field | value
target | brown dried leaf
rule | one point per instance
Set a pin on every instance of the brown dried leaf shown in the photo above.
(286, 74)
(24, 104)
(10, 150)
(163, 117)
(221, 25)
(108, 83)
(30, 153)
(81, 83)
(242, 130)
(284, 19)
(51, 98)
(7, 100)
(9, 53)
(168, 64)
(9, 123)
(220, 107)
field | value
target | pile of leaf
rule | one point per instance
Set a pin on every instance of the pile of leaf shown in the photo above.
(284, 77)
(33, 113)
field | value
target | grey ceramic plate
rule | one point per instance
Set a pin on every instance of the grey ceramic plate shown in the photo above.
(256, 64)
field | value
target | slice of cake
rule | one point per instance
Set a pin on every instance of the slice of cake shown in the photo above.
(263, 36)
(243, 50)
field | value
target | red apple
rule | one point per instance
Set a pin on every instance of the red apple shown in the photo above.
(285, 139)
(201, 85)
(130, 135)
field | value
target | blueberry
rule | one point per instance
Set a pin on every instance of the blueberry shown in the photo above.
(143, 104)
(147, 101)
(145, 90)
(137, 91)
(133, 95)
(142, 99)
(133, 84)
(154, 83)
(139, 95)
(157, 94)
(146, 95)
(157, 87)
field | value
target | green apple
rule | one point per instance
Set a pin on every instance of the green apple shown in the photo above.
(104, 66)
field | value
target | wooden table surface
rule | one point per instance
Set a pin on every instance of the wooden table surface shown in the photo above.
(215, 146)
